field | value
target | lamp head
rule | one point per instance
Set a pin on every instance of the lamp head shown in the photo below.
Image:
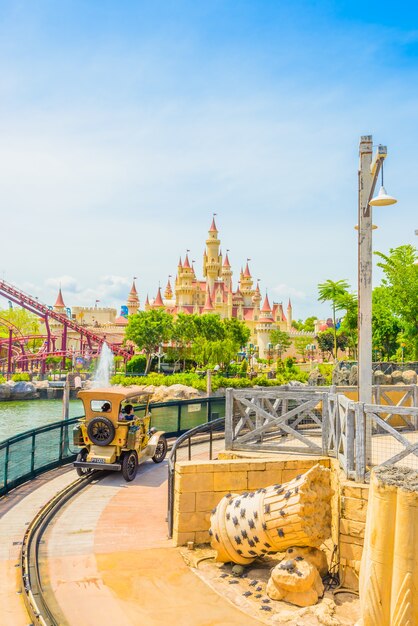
(382, 198)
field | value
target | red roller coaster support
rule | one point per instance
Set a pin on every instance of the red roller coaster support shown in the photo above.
(41, 310)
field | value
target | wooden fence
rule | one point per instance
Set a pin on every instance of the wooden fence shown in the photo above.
(314, 420)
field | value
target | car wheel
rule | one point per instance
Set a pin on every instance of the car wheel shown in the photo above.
(82, 456)
(129, 465)
(101, 431)
(160, 450)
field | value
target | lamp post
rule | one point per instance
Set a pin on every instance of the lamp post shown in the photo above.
(369, 169)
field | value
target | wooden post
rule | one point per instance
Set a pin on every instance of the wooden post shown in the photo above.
(208, 382)
(65, 414)
(229, 418)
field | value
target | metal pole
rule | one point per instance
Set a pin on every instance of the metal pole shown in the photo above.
(368, 173)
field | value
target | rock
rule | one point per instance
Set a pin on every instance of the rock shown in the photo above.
(379, 377)
(388, 379)
(5, 392)
(41, 384)
(296, 581)
(397, 377)
(353, 376)
(315, 378)
(409, 377)
(315, 556)
(341, 377)
(23, 391)
(238, 570)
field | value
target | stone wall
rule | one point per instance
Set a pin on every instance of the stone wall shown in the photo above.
(199, 486)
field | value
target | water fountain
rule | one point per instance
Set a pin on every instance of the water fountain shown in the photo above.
(104, 367)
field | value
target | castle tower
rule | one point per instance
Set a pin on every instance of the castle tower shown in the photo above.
(59, 306)
(212, 258)
(246, 286)
(168, 293)
(133, 300)
(147, 305)
(264, 327)
(289, 317)
(256, 299)
(184, 283)
(226, 273)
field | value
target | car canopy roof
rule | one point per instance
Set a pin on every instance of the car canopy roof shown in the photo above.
(114, 394)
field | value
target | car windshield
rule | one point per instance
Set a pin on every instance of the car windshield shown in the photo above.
(101, 406)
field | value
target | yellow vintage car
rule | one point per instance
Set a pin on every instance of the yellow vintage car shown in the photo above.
(115, 433)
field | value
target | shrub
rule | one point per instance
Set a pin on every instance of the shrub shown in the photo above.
(137, 364)
(2, 380)
(23, 376)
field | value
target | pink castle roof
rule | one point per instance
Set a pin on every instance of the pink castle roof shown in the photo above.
(213, 226)
(158, 300)
(60, 301)
(247, 272)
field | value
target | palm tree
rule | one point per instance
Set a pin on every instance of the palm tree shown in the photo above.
(333, 291)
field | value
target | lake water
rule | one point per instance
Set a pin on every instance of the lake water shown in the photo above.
(19, 416)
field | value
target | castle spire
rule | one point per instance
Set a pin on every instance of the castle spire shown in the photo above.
(247, 272)
(266, 306)
(213, 228)
(208, 303)
(59, 304)
(168, 293)
(186, 262)
(158, 302)
(226, 261)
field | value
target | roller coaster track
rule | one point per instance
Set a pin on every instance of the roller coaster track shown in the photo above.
(32, 590)
(42, 310)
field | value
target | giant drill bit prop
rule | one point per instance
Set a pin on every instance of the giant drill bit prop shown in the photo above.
(272, 519)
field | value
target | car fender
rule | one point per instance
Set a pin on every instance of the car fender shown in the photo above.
(152, 443)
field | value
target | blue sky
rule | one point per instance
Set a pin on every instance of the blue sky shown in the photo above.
(125, 125)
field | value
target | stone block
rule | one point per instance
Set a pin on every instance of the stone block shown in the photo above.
(195, 482)
(351, 551)
(230, 481)
(353, 529)
(180, 539)
(290, 474)
(202, 536)
(207, 500)
(192, 522)
(185, 467)
(184, 502)
(258, 479)
(354, 509)
(352, 491)
(359, 541)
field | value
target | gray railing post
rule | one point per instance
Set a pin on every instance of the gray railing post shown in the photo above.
(325, 423)
(360, 424)
(229, 418)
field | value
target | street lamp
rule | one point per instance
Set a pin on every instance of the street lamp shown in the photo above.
(369, 169)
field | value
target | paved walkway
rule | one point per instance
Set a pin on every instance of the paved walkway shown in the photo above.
(107, 557)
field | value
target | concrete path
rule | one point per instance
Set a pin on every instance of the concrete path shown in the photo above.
(17, 509)
(109, 561)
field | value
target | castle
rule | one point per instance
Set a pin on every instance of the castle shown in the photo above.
(213, 294)
(216, 294)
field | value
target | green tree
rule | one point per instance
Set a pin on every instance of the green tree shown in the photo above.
(349, 303)
(210, 327)
(386, 326)
(301, 343)
(27, 324)
(333, 291)
(326, 344)
(237, 331)
(401, 278)
(184, 332)
(281, 339)
(148, 330)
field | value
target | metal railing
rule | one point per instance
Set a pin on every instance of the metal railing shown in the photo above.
(203, 434)
(24, 456)
(33, 452)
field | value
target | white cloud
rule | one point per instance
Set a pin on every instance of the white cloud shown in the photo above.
(68, 283)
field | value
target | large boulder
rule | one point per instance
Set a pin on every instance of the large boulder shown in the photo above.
(5, 392)
(409, 377)
(379, 378)
(316, 378)
(23, 391)
(397, 377)
(353, 376)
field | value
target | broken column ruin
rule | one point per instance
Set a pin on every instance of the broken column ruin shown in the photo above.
(272, 519)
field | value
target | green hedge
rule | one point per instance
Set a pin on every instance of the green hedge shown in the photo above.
(218, 381)
(24, 376)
